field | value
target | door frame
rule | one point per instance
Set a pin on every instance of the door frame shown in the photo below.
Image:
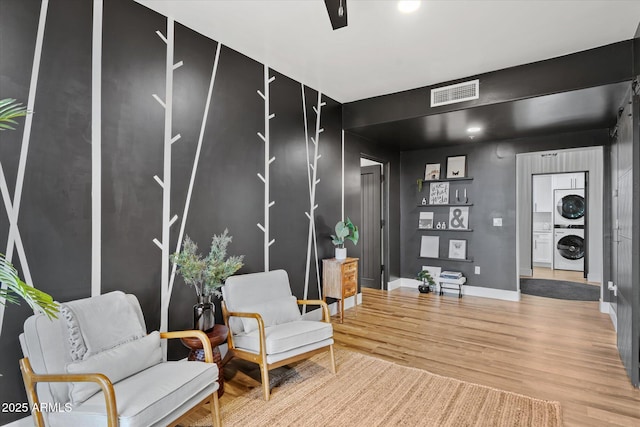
(525, 210)
(384, 201)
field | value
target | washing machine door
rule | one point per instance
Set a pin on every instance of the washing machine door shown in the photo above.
(571, 206)
(571, 247)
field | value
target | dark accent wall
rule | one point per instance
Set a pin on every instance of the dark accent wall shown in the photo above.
(571, 72)
(55, 219)
(55, 208)
(493, 194)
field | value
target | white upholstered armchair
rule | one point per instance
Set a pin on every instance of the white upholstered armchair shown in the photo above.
(265, 324)
(97, 366)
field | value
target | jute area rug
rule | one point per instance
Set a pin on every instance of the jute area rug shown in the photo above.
(373, 392)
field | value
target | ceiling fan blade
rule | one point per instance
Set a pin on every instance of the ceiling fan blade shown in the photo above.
(337, 10)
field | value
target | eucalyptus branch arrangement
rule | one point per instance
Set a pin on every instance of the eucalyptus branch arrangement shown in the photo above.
(207, 275)
(13, 288)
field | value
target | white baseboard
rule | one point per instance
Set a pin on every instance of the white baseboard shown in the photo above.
(607, 308)
(22, 422)
(542, 264)
(316, 313)
(604, 307)
(475, 291)
(594, 278)
(526, 272)
(348, 303)
(395, 284)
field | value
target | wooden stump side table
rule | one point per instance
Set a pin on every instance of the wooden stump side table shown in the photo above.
(217, 336)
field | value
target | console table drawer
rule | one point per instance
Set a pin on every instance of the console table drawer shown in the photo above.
(340, 280)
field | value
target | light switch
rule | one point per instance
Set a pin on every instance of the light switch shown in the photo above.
(497, 222)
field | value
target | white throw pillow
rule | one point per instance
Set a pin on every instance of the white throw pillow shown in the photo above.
(116, 363)
(274, 312)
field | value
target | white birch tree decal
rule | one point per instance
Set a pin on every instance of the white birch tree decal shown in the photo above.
(313, 180)
(267, 162)
(165, 182)
(14, 240)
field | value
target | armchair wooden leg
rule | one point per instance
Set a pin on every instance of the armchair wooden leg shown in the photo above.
(264, 370)
(32, 395)
(227, 358)
(333, 359)
(215, 410)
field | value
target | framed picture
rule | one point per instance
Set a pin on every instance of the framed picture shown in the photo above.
(457, 167)
(426, 220)
(432, 171)
(457, 249)
(459, 218)
(430, 247)
(438, 193)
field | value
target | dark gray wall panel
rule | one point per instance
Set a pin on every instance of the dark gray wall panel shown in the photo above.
(227, 192)
(493, 194)
(133, 58)
(18, 27)
(190, 89)
(329, 188)
(55, 214)
(289, 182)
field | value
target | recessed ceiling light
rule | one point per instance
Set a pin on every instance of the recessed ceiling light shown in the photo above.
(407, 6)
(474, 129)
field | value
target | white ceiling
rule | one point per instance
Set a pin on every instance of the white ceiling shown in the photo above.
(384, 51)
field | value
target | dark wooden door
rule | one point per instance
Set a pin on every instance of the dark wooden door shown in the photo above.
(625, 266)
(370, 225)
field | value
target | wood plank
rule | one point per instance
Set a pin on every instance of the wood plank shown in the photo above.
(541, 347)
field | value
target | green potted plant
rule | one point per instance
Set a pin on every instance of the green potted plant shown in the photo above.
(14, 288)
(427, 281)
(345, 230)
(206, 275)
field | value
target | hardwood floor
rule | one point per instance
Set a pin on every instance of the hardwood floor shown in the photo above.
(541, 347)
(571, 276)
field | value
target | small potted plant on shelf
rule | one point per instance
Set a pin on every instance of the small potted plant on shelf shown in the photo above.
(206, 275)
(427, 281)
(344, 230)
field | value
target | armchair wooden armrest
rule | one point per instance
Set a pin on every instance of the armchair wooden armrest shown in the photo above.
(30, 379)
(323, 305)
(228, 314)
(204, 339)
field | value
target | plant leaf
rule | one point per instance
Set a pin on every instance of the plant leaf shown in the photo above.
(35, 298)
(9, 110)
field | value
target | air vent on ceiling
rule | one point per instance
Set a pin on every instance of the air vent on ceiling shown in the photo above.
(455, 93)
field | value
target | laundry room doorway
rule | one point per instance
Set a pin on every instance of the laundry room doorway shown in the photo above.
(560, 225)
(559, 217)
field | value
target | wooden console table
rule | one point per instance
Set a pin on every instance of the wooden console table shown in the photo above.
(340, 281)
(217, 336)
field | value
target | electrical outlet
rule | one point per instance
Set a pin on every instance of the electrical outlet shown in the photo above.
(477, 269)
(497, 222)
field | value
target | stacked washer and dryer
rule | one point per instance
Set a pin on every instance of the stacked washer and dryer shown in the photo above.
(570, 207)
